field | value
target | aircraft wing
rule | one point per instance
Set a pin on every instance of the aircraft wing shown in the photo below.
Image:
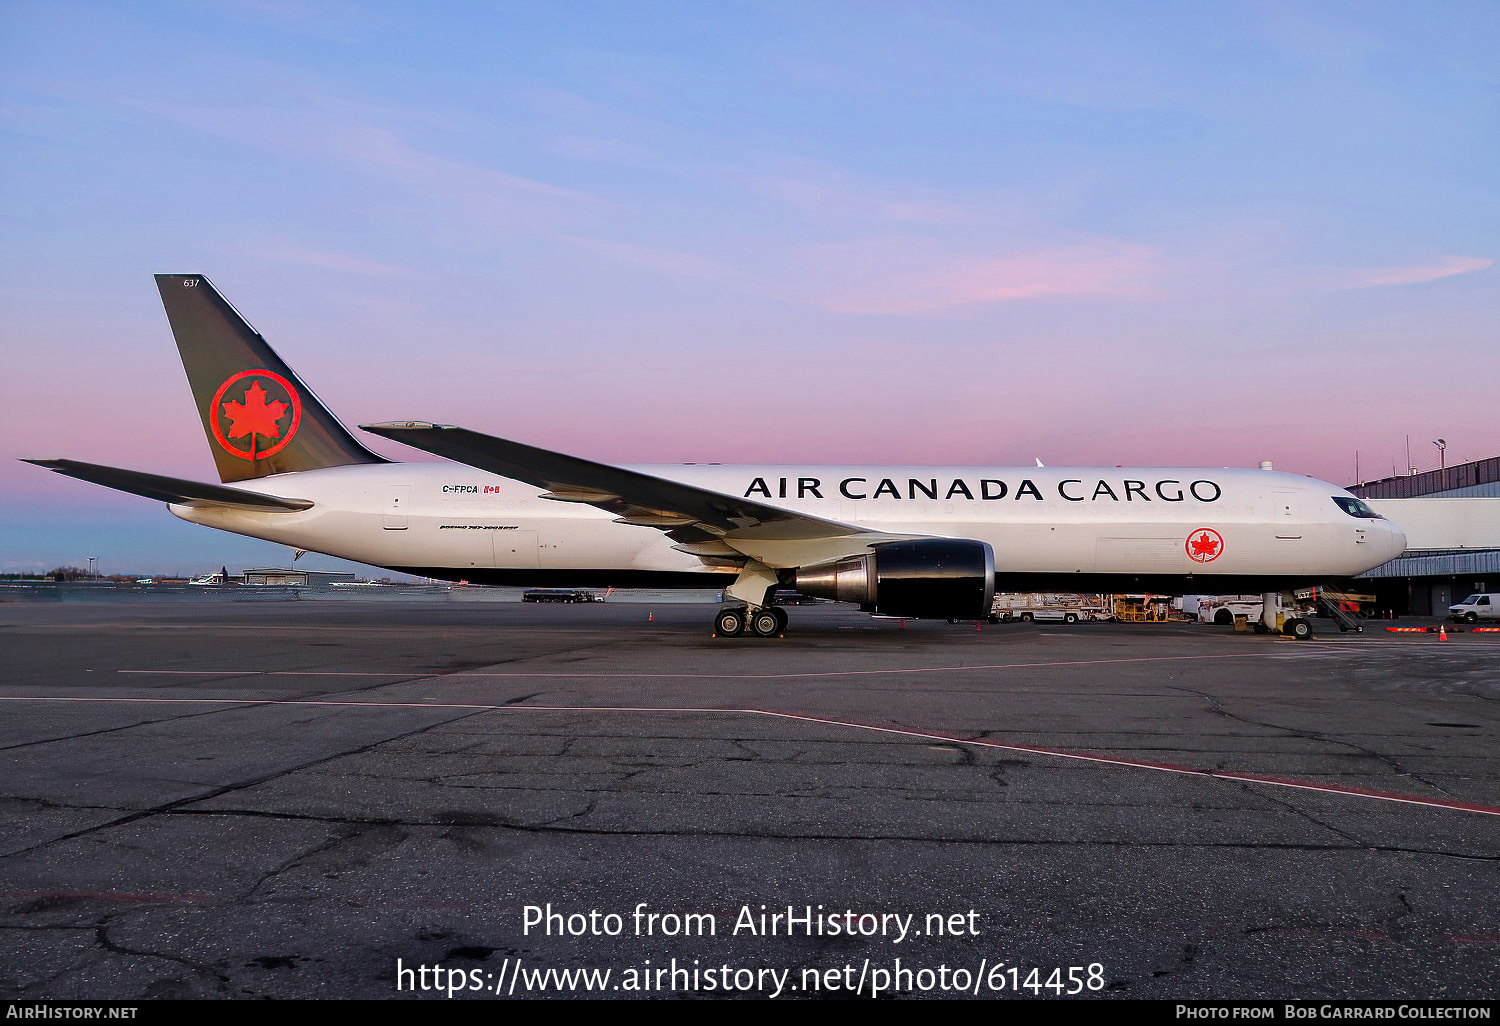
(172, 489)
(693, 516)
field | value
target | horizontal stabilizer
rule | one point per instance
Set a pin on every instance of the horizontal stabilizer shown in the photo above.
(172, 489)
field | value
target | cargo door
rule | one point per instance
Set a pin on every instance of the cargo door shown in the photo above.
(516, 550)
(1138, 555)
(397, 498)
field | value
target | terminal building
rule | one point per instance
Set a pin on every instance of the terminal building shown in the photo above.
(298, 578)
(1453, 547)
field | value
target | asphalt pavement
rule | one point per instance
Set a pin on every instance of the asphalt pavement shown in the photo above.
(300, 799)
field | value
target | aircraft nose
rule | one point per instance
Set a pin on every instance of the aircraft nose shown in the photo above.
(1395, 539)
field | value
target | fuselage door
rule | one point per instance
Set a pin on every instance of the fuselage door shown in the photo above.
(517, 550)
(1284, 510)
(397, 498)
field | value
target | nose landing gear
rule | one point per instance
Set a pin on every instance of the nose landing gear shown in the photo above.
(1297, 628)
(1274, 616)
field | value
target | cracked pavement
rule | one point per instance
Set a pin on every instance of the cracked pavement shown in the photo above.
(469, 759)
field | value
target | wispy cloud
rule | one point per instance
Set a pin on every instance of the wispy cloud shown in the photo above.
(1416, 274)
(904, 276)
(378, 143)
(384, 150)
(891, 280)
(675, 264)
(327, 260)
(822, 193)
(803, 231)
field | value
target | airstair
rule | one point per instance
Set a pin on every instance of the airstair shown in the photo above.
(1344, 610)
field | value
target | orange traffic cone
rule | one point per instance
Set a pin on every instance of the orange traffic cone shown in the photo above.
(1442, 632)
(650, 617)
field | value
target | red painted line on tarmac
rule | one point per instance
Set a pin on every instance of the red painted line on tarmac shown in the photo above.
(1059, 753)
(1165, 767)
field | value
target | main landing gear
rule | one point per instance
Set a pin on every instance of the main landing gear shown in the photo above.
(765, 622)
(754, 586)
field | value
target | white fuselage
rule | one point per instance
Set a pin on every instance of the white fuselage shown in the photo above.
(1054, 520)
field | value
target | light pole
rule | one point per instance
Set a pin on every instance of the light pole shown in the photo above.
(1442, 444)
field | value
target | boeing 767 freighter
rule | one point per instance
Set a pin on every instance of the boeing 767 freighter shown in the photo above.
(900, 541)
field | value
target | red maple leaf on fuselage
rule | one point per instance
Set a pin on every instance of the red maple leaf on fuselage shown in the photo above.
(255, 414)
(1204, 545)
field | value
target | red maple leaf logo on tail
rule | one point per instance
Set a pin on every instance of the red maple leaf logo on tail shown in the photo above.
(261, 424)
(255, 415)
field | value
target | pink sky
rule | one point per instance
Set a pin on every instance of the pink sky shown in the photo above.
(940, 241)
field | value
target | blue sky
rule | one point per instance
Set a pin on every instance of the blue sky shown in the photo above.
(923, 233)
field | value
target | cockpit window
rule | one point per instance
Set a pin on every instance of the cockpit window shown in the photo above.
(1355, 508)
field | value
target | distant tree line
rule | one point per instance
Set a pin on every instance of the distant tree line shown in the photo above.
(73, 573)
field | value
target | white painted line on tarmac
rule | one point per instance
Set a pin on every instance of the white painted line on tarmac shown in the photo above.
(702, 676)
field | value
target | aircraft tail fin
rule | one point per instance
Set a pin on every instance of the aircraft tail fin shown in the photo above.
(259, 417)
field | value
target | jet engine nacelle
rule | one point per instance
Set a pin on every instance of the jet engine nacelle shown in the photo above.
(932, 577)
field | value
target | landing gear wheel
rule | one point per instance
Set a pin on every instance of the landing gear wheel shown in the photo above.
(781, 619)
(1297, 628)
(730, 623)
(764, 623)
